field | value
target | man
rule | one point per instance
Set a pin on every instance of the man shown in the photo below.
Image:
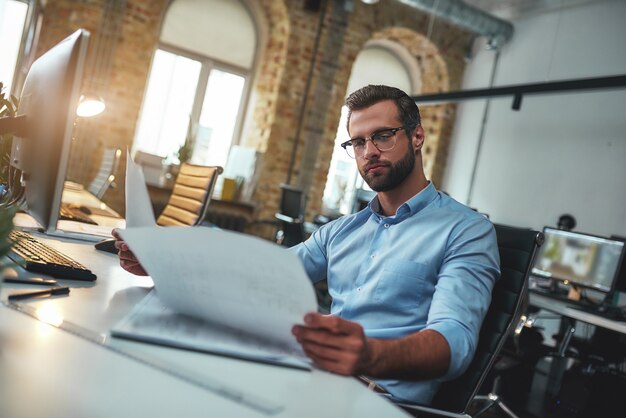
(410, 275)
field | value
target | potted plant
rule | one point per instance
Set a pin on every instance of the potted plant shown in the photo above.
(8, 108)
(185, 151)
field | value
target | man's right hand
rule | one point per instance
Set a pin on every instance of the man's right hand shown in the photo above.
(128, 261)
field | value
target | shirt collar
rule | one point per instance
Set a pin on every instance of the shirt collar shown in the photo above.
(411, 206)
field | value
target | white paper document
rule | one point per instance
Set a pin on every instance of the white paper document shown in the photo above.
(244, 293)
(140, 212)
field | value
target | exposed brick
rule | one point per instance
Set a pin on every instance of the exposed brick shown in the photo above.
(279, 88)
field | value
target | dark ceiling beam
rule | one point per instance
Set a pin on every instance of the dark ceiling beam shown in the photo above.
(520, 90)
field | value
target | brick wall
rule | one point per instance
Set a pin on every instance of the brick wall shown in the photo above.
(284, 115)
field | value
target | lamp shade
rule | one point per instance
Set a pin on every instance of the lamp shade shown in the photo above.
(90, 105)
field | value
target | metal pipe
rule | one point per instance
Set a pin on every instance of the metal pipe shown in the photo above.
(497, 31)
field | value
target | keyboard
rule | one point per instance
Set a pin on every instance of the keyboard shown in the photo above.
(38, 257)
(71, 213)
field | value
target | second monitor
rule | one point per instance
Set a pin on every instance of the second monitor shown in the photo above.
(579, 259)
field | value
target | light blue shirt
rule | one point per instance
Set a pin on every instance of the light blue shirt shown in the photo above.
(430, 266)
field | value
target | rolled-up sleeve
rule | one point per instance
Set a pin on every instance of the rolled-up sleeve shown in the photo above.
(463, 290)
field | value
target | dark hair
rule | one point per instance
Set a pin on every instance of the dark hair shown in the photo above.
(566, 222)
(372, 94)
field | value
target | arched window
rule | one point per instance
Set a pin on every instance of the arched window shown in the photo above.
(198, 81)
(380, 62)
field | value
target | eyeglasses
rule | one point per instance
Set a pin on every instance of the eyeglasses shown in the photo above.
(383, 140)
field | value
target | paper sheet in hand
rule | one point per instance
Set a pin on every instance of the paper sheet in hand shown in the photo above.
(229, 279)
(140, 212)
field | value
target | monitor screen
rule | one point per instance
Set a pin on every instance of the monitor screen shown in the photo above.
(48, 109)
(580, 259)
(620, 282)
(292, 201)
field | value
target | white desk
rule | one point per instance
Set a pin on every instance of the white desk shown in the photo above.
(562, 308)
(77, 370)
(82, 197)
(104, 216)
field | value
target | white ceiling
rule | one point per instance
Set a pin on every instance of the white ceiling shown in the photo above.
(513, 9)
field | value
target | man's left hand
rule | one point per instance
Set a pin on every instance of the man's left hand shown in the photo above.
(334, 344)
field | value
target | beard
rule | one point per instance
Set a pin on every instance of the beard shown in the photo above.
(397, 173)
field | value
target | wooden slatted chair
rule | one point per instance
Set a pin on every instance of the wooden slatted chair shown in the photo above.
(190, 196)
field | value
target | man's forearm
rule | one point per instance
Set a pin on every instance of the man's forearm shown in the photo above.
(419, 356)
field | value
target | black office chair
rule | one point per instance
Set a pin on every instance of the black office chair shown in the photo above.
(291, 216)
(517, 248)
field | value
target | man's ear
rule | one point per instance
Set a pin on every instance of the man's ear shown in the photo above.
(418, 138)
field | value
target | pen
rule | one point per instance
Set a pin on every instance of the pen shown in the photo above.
(53, 291)
(37, 281)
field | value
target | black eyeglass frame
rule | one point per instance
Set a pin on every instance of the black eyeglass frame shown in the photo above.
(372, 138)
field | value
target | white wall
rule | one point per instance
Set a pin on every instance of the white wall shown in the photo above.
(561, 153)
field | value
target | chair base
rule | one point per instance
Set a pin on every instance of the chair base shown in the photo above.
(491, 401)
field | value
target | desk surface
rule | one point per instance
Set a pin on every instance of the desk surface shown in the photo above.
(562, 308)
(106, 218)
(43, 367)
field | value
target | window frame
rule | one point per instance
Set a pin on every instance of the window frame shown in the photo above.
(207, 64)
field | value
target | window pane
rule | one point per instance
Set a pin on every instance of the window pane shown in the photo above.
(218, 117)
(12, 19)
(342, 174)
(164, 118)
(373, 65)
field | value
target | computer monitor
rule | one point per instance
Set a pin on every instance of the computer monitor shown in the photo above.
(43, 128)
(292, 201)
(579, 259)
(620, 282)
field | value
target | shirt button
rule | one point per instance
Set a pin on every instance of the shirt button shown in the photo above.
(372, 256)
(386, 225)
(358, 288)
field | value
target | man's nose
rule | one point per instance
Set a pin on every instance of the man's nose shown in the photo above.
(370, 149)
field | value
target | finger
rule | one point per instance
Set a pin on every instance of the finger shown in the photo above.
(332, 366)
(319, 337)
(331, 323)
(128, 265)
(127, 255)
(331, 354)
(122, 246)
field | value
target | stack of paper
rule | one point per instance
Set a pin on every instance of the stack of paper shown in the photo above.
(220, 292)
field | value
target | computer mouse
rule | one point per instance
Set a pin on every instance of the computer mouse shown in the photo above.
(85, 210)
(107, 245)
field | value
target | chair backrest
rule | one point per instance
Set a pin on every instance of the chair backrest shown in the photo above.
(107, 172)
(517, 248)
(190, 196)
(291, 216)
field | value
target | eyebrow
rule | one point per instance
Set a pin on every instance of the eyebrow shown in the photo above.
(372, 133)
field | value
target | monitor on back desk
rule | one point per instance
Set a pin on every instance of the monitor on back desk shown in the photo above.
(620, 282)
(580, 260)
